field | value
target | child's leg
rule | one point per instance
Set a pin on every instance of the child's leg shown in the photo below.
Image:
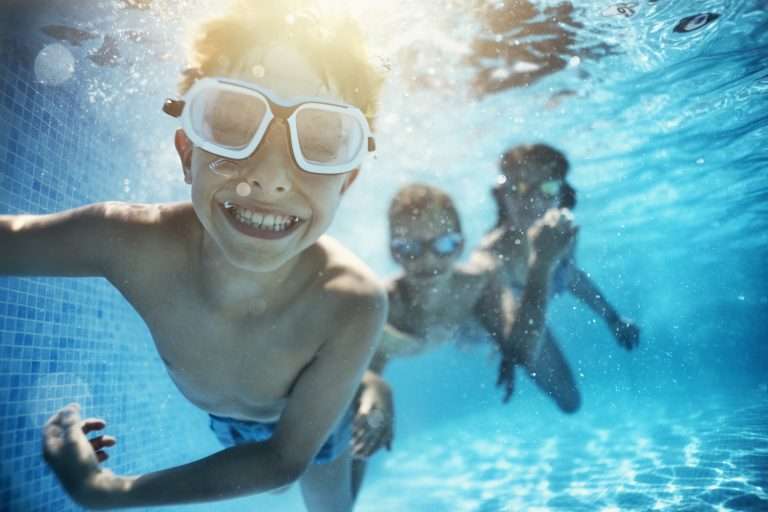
(552, 374)
(328, 487)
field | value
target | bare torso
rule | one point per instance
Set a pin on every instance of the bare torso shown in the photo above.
(238, 362)
(427, 313)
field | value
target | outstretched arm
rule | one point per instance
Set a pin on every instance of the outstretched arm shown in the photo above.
(318, 399)
(101, 239)
(625, 331)
(68, 243)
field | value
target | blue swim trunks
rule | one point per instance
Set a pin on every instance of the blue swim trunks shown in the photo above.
(232, 432)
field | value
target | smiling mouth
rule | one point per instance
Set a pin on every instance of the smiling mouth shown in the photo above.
(258, 224)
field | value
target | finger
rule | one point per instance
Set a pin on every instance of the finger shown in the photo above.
(370, 441)
(52, 439)
(362, 440)
(372, 445)
(102, 442)
(93, 424)
(101, 456)
(359, 451)
(70, 416)
(55, 419)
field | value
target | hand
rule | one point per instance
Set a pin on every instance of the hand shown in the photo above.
(552, 235)
(73, 457)
(506, 378)
(374, 422)
(626, 333)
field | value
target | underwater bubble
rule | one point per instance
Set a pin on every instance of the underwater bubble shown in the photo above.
(243, 189)
(54, 64)
(258, 71)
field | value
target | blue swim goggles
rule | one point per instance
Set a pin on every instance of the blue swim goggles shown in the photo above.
(229, 118)
(442, 246)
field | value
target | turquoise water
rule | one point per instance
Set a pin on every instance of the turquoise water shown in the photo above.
(667, 136)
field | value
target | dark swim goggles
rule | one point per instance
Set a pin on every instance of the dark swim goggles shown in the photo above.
(441, 246)
(549, 188)
(229, 118)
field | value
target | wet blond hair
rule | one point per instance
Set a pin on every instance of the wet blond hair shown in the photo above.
(333, 45)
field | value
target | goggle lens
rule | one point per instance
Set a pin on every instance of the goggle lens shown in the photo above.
(442, 246)
(226, 118)
(550, 188)
(328, 137)
(405, 248)
(446, 244)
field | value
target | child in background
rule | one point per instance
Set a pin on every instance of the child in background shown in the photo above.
(261, 319)
(437, 300)
(533, 185)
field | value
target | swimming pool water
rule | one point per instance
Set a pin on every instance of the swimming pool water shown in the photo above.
(666, 131)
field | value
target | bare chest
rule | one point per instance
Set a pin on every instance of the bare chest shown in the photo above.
(241, 366)
(435, 314)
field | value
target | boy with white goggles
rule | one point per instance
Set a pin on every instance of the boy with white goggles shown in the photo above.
(261, 319)
(229, 118)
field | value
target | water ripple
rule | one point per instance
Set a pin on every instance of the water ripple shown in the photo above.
(705, 460)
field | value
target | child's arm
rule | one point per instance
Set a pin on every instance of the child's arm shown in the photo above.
(318, 399)
(517, 327)
(88, 241)
(69, 243)
(582, 286)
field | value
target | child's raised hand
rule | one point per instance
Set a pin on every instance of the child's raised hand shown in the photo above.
(552, 235)
(72, 456)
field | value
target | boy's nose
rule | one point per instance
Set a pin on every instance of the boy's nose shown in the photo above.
(270, 169)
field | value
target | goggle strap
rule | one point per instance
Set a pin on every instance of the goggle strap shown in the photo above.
(173, 107)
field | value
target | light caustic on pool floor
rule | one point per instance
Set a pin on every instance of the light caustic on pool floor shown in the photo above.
(710, 460)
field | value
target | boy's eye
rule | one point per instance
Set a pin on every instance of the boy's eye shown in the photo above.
(232, 119)
(321, 134)
(328, 136)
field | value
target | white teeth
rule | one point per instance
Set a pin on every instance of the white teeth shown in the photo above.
(269, 222)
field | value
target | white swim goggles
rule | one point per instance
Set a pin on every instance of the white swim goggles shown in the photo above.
(229, 118)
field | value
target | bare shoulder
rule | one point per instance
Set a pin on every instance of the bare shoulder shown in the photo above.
(346, 273)
(147, 215)
(151, 224)
(155, 234)
(351, 288)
